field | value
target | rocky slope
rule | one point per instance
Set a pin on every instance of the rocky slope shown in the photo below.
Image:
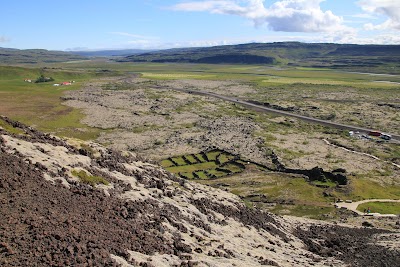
(143, 216)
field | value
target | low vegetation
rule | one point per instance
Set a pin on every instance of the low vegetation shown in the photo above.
(381, 207)
(6, 126)
(206, 165)
(43, 79)
(86, 178)
(40, 104)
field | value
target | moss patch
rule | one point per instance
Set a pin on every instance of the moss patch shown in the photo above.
(89, 179)
(10, 128)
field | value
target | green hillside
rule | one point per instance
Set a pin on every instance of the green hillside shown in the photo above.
(10, 56)
(320, 55)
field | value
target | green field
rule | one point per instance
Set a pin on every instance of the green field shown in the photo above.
(187, 175)
(166, 163)
(367, 189)
(179, 161)
(200, 158)
(39, 104)
(191, 159)
(201, 175)
(193, 167)
(224, 158)
(212, 156)
(186, 169)
(381, 207)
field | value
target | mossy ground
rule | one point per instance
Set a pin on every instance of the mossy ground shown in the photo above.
(89, 179)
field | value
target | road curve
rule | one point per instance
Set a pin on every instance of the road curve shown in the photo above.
(285, 113)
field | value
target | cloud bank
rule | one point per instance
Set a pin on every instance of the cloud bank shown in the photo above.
(284, 15)
(388, 8)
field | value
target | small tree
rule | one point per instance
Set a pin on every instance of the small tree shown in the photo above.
(43, 79)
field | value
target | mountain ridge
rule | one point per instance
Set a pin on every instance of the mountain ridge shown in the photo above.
(34, 56)
(323, 55)
(109, 52)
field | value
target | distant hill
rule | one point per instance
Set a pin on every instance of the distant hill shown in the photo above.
(286, 53)
(110, 53)
(33, 56)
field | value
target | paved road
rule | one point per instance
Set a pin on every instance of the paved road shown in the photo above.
(353, 206)
(395, 137)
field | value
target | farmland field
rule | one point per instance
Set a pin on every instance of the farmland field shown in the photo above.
(40, 104)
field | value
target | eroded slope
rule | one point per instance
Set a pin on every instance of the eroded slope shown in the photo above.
(144, 215)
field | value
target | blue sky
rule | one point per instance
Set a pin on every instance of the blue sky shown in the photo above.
(153, 24)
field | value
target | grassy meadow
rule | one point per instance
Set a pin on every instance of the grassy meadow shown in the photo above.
(381, 207)
(40, 104)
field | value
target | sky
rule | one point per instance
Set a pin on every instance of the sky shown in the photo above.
(155, 24)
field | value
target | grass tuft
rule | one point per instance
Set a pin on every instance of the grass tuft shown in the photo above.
(89, 179)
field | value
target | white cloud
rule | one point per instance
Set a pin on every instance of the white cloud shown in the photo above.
(146, 44)
(301, 37)
(364, 16)
(381, 39)
(4, 39)
(134, 35)
(284, 15)
(78, 48)
(218, 6)
(302, 16)
(138, 41)
(388, 8)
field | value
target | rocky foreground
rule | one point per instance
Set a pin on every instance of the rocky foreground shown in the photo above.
(143, 216)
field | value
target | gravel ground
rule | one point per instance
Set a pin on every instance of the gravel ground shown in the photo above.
(159, 123)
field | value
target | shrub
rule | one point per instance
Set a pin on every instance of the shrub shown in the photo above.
(43, 79)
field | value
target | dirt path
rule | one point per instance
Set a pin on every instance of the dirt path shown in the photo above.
(396, 138)
(353, 206)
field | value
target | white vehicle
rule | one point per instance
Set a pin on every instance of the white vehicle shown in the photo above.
(385, 136)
